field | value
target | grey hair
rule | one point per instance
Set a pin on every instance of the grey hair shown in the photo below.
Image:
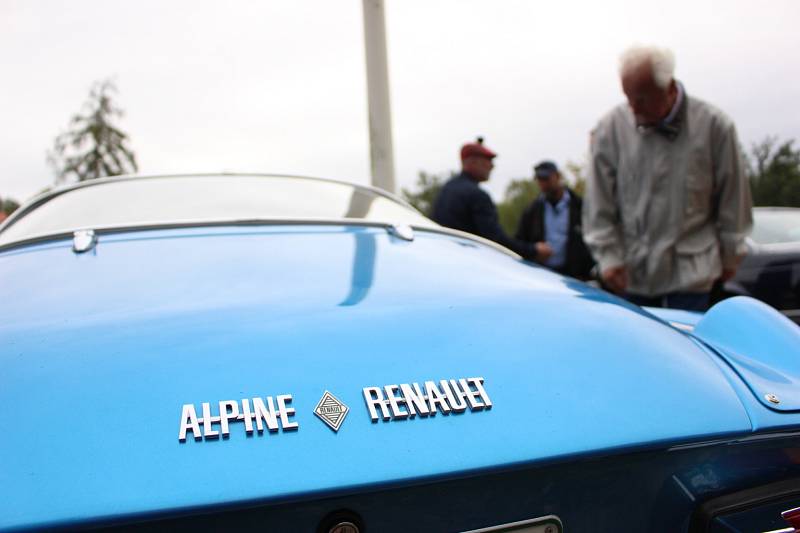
(661, 60)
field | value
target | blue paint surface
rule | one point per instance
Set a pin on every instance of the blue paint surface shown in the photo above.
(680, 316)
(761, 344)
(101, 350)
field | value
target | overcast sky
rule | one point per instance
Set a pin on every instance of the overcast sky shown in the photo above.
(280, 87)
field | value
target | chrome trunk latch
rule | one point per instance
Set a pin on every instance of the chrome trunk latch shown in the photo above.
(401, 231)
(83, 240)
(772, 398)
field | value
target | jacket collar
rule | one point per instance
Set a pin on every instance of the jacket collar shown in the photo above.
(670, 127)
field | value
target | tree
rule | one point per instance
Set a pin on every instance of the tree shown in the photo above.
(427, 189)
(775, 173)
(576, 169)
(518, 195)
(9, 206)
(93, 147)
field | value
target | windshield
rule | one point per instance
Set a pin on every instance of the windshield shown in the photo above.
(776, 226)
(176, 199)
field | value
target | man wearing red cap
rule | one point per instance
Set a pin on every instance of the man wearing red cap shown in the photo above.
(464, 206)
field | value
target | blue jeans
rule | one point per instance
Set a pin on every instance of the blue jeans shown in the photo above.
(688, 301)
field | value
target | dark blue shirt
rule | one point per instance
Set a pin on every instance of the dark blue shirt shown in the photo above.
(464, 206)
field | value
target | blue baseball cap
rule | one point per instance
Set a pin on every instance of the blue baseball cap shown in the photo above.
(545, 169)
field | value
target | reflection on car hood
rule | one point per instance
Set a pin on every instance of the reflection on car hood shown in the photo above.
(101, 350)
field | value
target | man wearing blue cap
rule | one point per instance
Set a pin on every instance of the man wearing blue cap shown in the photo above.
(554, 219)
(464, 206)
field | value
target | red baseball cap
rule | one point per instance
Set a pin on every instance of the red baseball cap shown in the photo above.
(476, 149)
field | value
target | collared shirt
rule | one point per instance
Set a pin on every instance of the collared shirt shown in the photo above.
(669, 126)
(676, 107)
(556, 230)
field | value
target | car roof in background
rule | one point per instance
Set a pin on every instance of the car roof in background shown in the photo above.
(776, 226)
(775, 208)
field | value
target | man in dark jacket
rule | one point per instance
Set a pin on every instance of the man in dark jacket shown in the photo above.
(554, 218)
(463, 205)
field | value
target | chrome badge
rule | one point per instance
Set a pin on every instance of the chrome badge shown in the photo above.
(230, 411)
(331, 411)
(447, 396)
(387, 403)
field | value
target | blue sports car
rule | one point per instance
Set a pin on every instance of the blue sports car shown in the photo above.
(273, 353)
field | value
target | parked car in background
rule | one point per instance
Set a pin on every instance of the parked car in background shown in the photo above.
(770, 271)
(272, 353)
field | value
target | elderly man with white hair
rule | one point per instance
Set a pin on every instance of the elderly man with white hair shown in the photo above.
(668, 204)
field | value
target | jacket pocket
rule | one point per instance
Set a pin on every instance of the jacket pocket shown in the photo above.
(697, 260)
(699, 184)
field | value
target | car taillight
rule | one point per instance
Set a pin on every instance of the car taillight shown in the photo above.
(793, 517)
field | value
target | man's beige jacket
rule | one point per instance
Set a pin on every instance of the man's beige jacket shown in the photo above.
(674, 210)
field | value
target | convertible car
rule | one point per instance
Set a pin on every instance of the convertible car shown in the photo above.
(273, 353)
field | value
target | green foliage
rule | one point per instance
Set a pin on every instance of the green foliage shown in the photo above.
(8, 206)
(93, 147)
(427, 189)
(775, 173)
(519, 194)
(579, 183)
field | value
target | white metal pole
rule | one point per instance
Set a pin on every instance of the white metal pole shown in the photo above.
(380, 112)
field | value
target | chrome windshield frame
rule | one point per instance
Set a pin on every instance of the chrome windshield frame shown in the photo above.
(45, 197)
(110, 230)
(101, 230)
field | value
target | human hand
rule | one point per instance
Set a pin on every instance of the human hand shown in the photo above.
(615, 278)
(543, 251)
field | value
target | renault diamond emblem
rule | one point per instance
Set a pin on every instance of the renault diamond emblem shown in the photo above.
(331, 410)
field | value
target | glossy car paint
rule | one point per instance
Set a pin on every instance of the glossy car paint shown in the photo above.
(737, 328)
(100, 350)
(683, 319)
